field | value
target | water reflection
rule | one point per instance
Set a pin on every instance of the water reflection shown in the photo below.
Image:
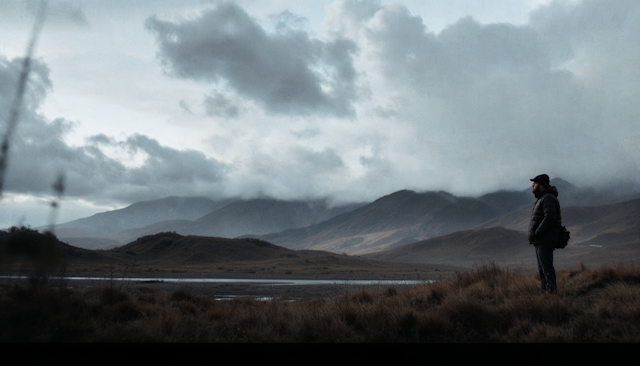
(272, 282)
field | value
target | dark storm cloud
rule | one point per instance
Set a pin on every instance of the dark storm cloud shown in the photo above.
(285, 71)
(462, 57)
(38, 153)
(169, 166)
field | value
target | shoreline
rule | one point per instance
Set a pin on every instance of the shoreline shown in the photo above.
(155, 281)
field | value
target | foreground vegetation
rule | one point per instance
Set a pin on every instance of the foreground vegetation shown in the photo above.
(488, 304)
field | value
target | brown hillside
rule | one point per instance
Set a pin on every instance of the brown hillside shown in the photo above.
(27, 249)
(262, 216)
(591, 225)
(510, 248)
(515, 220)
(605, 225)
(399, 218)
(178, 249)
(464, 248)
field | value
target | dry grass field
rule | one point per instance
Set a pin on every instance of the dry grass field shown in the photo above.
(488, 304)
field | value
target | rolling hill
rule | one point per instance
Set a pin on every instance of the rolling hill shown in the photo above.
(175, 250)
(170, 253)
(28, 249)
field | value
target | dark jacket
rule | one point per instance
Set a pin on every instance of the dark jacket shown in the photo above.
(546, 218)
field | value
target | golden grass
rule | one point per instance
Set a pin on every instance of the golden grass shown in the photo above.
(488, 304)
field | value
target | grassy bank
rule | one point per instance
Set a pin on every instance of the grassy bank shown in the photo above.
(488, 304)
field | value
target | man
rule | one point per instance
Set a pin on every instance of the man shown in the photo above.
(544, 229)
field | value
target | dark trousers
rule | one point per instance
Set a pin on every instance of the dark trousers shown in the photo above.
(544, 253)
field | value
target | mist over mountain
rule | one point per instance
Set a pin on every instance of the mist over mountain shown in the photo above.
(573, 195)
(263, 216)
(141, 214)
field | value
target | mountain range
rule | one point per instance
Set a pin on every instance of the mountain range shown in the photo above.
(400, 218)
(227, 218)
(389, 226)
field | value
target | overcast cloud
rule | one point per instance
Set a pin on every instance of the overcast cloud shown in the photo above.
(353, 102)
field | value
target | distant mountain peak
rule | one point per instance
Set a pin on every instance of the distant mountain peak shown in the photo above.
(561, 183)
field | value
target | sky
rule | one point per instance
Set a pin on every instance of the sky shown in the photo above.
(346, 100)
